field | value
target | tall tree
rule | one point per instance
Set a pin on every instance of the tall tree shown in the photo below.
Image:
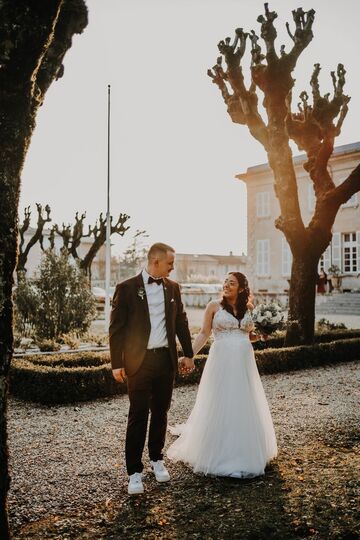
(313, 128)
(98, 232)
(35, 36)
(134, 255)
(36, 237)
(72, 235)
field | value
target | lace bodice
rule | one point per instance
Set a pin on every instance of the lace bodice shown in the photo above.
(226, 325)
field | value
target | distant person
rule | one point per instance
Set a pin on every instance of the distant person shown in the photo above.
(229, 431)
(322, 281)
(147, 315)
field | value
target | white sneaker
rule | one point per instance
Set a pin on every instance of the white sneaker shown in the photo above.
(135, 486)
(160, 471)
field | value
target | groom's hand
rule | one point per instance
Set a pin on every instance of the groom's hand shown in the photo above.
(186, 365)
(119, 374)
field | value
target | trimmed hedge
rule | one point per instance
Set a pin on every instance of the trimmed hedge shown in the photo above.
(63, 379)
(277, 342)
(68, 378)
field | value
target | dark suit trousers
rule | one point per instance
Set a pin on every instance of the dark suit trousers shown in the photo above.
(150, 389)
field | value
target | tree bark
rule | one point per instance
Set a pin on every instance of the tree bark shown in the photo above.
(31, 54)
(301, 316)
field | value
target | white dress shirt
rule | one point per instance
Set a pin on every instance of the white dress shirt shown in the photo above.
(156, 303)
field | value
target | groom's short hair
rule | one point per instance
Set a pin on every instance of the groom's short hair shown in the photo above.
(159, 250)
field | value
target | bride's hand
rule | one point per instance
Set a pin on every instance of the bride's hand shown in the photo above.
(254, 337)
(186, 365)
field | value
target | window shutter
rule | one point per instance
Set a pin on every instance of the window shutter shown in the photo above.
(336, 250)
(327, 258)
(259, 204)
(311, 197)
(266, 257)
(263, 257)
(286, 258)
(266, 203)
(258, 258)
(263, 204)
(358, 251)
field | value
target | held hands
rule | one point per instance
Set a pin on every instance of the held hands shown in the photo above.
(119, 375)
(186, 365)
(257, 337)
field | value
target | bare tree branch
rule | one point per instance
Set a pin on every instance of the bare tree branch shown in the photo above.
(36, 237)
(242, 103)
(268, 33)
(99, 234)
(303, 33)
(313, 128)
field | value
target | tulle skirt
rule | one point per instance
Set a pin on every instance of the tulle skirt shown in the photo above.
(229, 431)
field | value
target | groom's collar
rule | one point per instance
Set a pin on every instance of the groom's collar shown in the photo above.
(145, 275)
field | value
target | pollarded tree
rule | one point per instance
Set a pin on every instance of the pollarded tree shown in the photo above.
(313, 128)
(34, 38)
(36, 237)
(72, 236)
(98, 232)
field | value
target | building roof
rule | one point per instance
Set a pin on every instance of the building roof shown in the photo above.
(220, 259)
(338, 151)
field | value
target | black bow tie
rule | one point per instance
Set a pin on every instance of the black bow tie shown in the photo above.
(158, 281)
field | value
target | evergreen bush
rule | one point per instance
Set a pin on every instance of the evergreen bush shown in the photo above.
(59, 302)
(67, 378)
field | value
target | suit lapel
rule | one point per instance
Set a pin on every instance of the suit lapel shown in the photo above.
(142, 298)
(168, 294)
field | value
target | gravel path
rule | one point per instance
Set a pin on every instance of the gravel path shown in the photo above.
(68, 461)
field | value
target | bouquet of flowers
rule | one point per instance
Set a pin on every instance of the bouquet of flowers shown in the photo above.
(268, 318)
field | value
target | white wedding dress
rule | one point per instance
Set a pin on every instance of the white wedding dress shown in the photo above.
(229, 431)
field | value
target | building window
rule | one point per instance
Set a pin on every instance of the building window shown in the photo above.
(351, 202)
(263, 257)
(286, 258)
(263, 204)
(336, 259)
(350, 252)
(311, 197)
(325, 259)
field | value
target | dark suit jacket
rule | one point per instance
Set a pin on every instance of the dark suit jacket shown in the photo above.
(130, 324)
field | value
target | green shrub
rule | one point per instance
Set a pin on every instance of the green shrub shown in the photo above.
(26, 304)
(57, 303)
(81, 376)
(71, 340)
(64, 378)
(48, 345)
(324, 325)
(101, 340)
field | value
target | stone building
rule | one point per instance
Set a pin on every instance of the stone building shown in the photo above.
(269, 255)
(206, 268)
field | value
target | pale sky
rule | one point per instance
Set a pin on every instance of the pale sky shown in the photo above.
(174, 150)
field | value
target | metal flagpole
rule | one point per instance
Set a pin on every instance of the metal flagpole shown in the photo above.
(108, 231)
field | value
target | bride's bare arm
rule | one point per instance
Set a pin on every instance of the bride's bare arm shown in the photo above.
(205, 331)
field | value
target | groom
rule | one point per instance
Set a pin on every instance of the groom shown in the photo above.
(147, 314)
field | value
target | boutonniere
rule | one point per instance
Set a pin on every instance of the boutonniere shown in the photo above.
(141, 293)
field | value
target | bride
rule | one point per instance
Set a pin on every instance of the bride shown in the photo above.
(229, 431)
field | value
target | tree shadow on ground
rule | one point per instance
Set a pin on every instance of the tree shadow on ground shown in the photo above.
(195, 506)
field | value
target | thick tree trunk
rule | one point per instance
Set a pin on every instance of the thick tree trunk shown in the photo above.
(28, 69)
(301, 317)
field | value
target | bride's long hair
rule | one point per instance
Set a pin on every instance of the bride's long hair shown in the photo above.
(242, 299)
